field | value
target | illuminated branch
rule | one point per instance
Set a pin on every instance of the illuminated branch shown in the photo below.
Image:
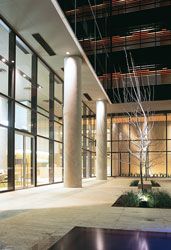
(135, 93)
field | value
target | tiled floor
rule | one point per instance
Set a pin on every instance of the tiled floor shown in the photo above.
(35, 218)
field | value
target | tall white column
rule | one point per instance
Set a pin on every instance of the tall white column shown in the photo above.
(72, 122)
(101, 140)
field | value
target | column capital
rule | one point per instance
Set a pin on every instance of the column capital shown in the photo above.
(74, 57)
(101, 100)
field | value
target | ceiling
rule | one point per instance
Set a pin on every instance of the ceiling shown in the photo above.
(46, 18)
(123, 108)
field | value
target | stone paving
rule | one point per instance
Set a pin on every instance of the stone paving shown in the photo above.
(36, 218)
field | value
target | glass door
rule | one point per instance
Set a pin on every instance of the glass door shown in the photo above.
(24, 167)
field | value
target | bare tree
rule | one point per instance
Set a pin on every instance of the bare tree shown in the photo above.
(131, 89)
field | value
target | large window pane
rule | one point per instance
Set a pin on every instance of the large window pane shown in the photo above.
(42, 125)
(157, 145)
(169, 164)
(109, 164)
(84, 162)
(115, 164)
(4, 40)
(3, 159)
(115, 135)
(3, 111)
(158, 131)
(58, 110)
(168, 145)
(88, 142)
(23, 89)
(123, 131)
(93, 165)
(42, 161)
(134, 131)
(3, 78)
(123, 146)
(58, 91)
(22, 118)
(89, 124)
(23, 58)
(58, 131)
(19, 161)
(93, 128)
(135, 145)
(23, 84)
(115, 146)
(135, 165)
(157, 163)
(169, 126)
(108, 146)
(57, 162)
(43, 89)
(4, 56)
(124, 164)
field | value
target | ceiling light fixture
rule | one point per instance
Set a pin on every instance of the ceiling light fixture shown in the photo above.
(67, 53)
(3, 60)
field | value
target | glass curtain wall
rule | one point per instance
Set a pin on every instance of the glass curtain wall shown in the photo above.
(89, 21)
(31, 124)
(142, 28)
(109, 173)
(58, 131)
(123, 7)
(4, 99)
(123, 150)
(88, 142)
(43, 122)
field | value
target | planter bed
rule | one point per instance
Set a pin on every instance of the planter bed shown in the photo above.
(152, 199)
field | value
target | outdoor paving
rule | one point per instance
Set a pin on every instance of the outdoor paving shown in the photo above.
(36, 218)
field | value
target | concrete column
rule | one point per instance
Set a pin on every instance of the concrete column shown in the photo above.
(72, 122)
(101, 140)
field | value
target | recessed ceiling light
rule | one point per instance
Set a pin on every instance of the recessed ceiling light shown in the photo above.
(24, 75)
(3, 60)
(68, 53)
